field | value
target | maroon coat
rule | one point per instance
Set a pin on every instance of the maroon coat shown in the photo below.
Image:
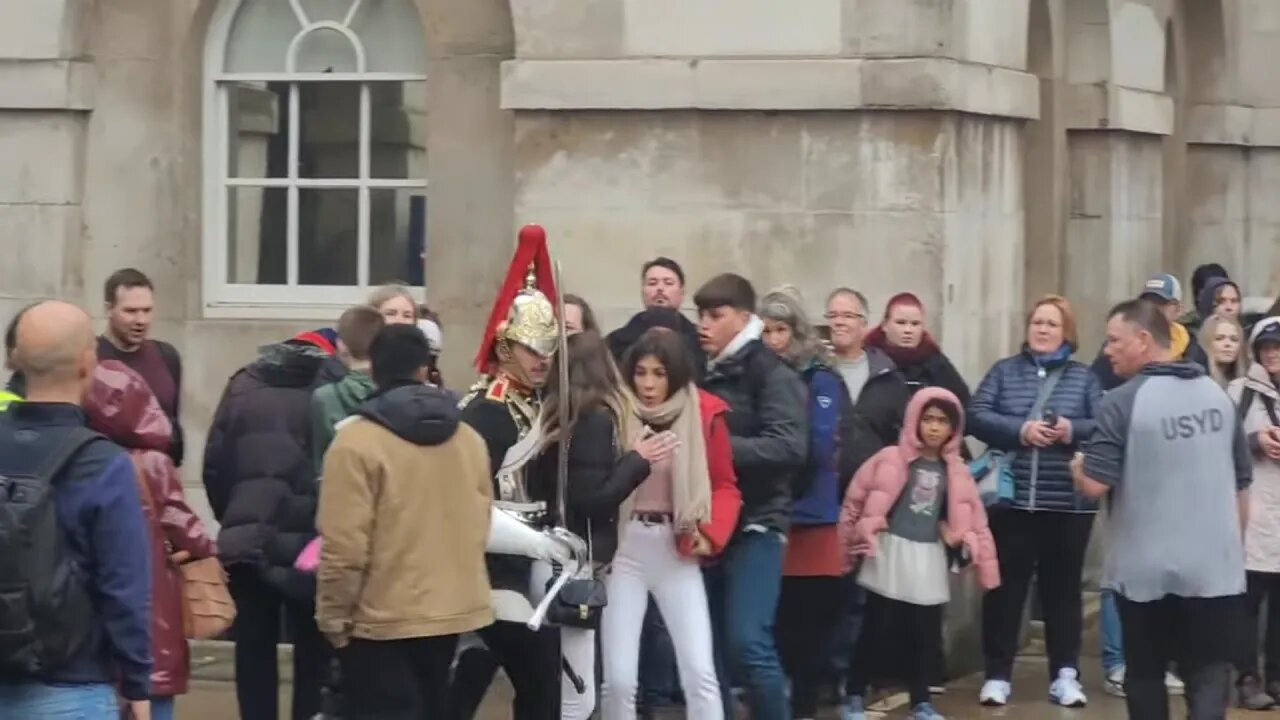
(122, 407)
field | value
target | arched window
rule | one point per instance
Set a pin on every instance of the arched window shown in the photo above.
(314, 154)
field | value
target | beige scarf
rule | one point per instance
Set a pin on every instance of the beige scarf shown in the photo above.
(690, 480)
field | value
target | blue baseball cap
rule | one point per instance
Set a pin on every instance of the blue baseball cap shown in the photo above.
(1163, 286)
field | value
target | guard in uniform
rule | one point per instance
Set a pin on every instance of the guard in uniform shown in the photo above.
(514, 359)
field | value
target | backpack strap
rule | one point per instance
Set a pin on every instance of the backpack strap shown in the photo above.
(1246, 399)
(172, 363)
(49, 470)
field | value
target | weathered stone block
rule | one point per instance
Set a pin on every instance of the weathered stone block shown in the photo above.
(43, 156)
(786, 84)
(1216, 186)
(586, 84)
(42, 29)
(709, 28)
(874, 161)
(46, 85)
(991, 33)
(756, 159)
(897, 28)
(1137, 29)
(567, 29)
(42, 243)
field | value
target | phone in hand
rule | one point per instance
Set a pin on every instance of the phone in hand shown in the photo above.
(1050, 418)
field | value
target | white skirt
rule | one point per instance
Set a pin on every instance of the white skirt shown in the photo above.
(906, 570)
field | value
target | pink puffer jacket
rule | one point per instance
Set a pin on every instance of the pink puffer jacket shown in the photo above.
(880, 481)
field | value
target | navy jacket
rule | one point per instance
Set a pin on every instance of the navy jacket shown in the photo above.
(1002, 404)
(100, 513)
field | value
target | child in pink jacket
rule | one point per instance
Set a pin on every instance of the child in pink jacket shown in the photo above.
(904, 508)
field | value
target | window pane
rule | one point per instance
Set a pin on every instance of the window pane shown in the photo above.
(398, 135)
(397, 235)
(325, 51)
(260, 35)
(392, 35)
(257, 142)
(256, 221)
(330, 129)
(327, 221)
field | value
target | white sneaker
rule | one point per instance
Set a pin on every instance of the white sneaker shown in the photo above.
(1066, 690)
(1114, 682)
(1174, 685)
(995, 693)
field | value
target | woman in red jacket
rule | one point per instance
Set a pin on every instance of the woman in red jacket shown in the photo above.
(121, 406)
(685, 510)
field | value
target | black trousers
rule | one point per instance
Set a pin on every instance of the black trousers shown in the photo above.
(808, 610)
(257, 631)
(900, 642)
(1262, 587)
(532, 663)
(396, 679)
(1049, 546)
(1198, 635)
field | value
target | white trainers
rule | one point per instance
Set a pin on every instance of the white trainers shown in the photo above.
(1114, 683)
(1066, 690)
(995, 693)
(1173, 684)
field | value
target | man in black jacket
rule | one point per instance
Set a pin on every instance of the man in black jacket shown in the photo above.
(661, 286)
(262, 489)
(768, 431)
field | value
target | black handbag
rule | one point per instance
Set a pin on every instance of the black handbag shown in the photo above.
(581, 601)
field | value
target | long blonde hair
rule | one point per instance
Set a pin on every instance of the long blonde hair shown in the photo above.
(381, 294)
(1216, 371)
(594, 384)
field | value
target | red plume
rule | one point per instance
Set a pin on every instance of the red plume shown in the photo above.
(531, 249)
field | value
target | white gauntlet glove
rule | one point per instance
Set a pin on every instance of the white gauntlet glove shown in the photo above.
(509, 536)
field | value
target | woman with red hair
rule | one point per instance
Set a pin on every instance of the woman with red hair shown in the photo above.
(903, 337)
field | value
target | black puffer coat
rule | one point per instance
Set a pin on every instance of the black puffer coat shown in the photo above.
(257, 467)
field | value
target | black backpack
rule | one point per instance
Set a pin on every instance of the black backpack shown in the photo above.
(45, 611)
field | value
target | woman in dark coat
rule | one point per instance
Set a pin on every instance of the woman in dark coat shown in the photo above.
(121, 406)
(903, 337)
(1038, 407)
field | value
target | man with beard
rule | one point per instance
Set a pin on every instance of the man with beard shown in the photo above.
(661, 286)
(503, 407)
(130, 305)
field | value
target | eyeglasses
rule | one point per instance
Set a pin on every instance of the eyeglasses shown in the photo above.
(844, 316)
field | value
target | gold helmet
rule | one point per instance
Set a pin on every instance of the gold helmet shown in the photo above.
(524, 312)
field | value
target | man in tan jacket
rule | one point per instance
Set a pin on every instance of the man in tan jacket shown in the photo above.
(404, 514)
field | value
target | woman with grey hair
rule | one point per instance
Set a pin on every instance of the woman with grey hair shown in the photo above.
(813, 594)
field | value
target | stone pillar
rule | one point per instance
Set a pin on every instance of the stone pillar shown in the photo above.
(46, 91)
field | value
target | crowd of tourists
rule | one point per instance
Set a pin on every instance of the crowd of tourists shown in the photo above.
(759, 510)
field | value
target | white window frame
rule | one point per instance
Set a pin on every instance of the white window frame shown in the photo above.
(224, 299)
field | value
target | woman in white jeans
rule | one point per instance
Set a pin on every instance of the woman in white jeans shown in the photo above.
(686, 508)
(608, 459)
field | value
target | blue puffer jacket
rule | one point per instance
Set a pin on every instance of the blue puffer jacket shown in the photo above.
(1001, 406)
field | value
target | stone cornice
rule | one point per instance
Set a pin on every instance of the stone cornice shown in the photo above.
(1233, 125)
(769, 84)
(46, 85)
(1113, 107)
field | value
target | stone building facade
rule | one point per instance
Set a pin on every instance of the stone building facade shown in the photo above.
(265, 159)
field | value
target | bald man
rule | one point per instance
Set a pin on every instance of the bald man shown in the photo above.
(88, 560)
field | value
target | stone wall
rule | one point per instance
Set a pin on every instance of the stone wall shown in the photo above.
(975, 152)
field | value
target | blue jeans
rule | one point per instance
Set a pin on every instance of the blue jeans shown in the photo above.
(162, 708)
(743, 593)
(1112, 639)
(25, 701)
